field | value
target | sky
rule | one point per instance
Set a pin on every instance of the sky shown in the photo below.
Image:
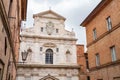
(75, 11)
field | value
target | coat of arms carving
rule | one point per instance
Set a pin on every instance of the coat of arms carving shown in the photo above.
(49, 28)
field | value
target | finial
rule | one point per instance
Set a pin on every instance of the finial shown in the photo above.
(50, 8)
(72, 29)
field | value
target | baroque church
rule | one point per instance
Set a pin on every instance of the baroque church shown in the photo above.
(51, 50)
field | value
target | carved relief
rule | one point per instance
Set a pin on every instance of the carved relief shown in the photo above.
(54, 72)
(49, 45)
(49, 28)
(49, 77)
(32, 42)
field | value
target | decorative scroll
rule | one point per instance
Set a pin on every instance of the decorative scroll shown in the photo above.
(49, 45)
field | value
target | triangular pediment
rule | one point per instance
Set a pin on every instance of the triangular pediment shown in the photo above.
(49, 14)
(49, 77)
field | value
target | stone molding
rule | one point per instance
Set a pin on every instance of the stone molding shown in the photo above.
(49, 45)
(105, 65)
(41, 72)
(47, 66)
(50, 38)
(46, 12)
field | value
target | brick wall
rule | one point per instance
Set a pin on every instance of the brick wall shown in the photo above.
(107, 70)
(10, 19)
(102, 46)
(99, 22)
(81, 61)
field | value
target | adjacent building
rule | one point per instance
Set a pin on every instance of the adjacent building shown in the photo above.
(103, 40)
(12, 12)
(51, 50)
(82, 60)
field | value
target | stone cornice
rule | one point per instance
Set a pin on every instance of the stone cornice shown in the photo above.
(46, 12)
(109, 64)
(50, 17)
(50, 38)
(47, 66)
(96, 11)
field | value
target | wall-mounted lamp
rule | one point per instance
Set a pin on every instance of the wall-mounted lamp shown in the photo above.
(24, 55)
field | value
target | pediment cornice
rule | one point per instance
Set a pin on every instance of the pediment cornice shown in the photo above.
(49, 12)
(49, 77)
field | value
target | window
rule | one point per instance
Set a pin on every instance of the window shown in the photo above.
(2, 29)
(87, 63)
(28, 78)
(94, 34)
(41, 29)
(116, 78)
(57, 30)
(10, 6)
(113, 53)
(49, 56)
(68, 78)
(40, 48)
(88, 77)
(1, 69)
(5, 45)
(57, 49)
(109, 24)
(1, 74)
(11, 1)
(9, 77)
(97, 59)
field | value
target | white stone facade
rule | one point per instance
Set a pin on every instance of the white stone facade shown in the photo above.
(48, 32)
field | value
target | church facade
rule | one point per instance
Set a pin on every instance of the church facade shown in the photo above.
(51, 50)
